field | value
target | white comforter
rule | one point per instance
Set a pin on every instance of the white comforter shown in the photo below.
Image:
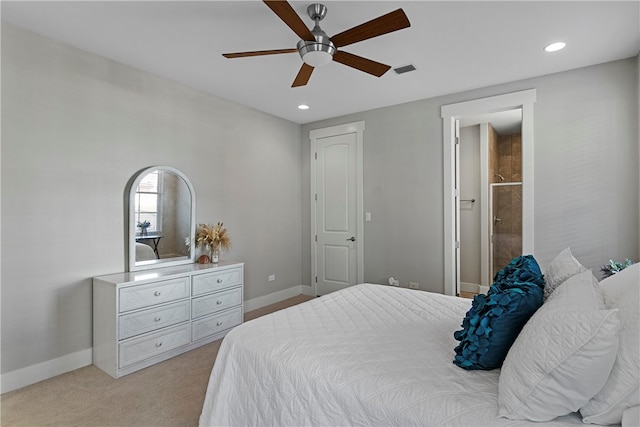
(366, 355)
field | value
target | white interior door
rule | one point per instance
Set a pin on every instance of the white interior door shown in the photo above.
(336, 207)
(456, 186)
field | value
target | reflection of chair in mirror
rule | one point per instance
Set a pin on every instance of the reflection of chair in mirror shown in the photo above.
(144, 252)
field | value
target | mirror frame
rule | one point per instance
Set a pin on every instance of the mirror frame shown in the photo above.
(130, 228)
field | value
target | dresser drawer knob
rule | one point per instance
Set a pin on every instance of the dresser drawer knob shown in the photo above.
(219, 302)
(219, 323)
(219, 280)
(159, 344)
(157, 293)
(158, 318)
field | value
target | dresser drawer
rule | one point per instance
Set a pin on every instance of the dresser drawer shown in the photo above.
(154, 293)
(138, 349)
(213, 303)
(140, 322)
(203, 283)
(217, 323)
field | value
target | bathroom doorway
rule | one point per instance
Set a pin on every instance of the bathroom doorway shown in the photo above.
(483, 113)
(490, 215)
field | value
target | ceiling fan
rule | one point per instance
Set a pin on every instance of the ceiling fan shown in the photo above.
(317, 49)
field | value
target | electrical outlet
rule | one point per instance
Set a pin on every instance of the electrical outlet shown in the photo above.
(272, 277)
(414, 285)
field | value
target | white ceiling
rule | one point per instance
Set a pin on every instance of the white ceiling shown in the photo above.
(504, 122)
(454, 45)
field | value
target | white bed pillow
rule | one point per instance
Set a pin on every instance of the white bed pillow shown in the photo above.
(631, 417)
(622, 390)
(563, 355)
(563, 266)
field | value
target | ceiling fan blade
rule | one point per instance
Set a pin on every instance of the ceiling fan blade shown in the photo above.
(303, 75)
(363, 64)
(258, 53)
(289, 16)
(392, 21)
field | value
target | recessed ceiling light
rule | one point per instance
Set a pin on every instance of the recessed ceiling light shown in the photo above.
(303, 107)
(554, 47)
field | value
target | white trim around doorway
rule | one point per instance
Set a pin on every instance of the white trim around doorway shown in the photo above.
(452, 112)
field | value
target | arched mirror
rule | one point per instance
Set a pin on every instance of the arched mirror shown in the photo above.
(161, 219)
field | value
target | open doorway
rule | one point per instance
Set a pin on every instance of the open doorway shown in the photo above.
(452, 115)
(490, 214)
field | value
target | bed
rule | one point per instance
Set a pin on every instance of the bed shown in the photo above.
(366, 355)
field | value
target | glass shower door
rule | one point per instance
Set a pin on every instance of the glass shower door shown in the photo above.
(506, 223)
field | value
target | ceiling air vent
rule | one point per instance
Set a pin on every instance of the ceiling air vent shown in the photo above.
(404, 69)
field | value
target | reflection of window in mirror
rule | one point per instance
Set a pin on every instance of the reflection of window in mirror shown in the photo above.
(147, 201)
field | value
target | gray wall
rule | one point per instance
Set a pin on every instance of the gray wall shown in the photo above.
(586, 174)
(470, 188)
(75, 128)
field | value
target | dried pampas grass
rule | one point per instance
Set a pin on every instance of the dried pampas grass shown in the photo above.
(214, 236)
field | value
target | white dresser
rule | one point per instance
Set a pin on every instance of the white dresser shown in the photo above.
(144, 317)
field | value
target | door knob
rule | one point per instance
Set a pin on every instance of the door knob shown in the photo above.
(353, 239)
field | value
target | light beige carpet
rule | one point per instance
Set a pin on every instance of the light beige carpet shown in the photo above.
(170, 393)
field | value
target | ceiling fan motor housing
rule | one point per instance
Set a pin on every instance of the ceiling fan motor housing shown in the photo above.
(319, 52)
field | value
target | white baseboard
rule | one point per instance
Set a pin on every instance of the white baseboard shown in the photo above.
(469, 287)
(42, 371)
(307, 290)
(254, 304)
(474, 288)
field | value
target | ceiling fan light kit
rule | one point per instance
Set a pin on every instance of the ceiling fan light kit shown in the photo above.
(316, 54)
(317, 49)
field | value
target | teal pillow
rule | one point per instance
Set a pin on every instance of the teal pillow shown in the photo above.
(493, 323)
(524, 268)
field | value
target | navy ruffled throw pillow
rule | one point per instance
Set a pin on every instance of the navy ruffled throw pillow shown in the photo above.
(494, 321)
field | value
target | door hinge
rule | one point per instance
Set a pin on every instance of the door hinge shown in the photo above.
(316, 237)
(316, 279)
(456, 192)
(457, 244)
(315, 155)
(315, 196)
